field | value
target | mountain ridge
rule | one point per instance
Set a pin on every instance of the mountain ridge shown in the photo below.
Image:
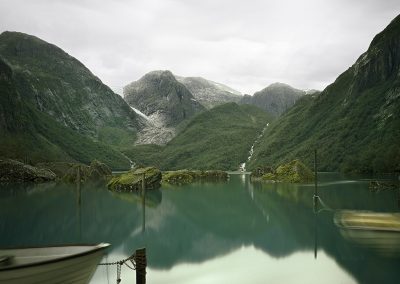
(209, 93)
(275, 98)
(45, 90)
(354, 123)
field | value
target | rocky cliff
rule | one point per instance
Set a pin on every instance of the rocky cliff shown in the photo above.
(55, 83)
(209, 93)
(274, 99)
(161, 97)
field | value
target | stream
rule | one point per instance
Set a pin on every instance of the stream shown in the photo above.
(242, 166)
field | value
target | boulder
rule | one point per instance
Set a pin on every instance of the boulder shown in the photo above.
(187, 176)
(132, 180)
(14, 171)
(292, 172)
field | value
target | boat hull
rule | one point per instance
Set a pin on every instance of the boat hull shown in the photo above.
(77, 268)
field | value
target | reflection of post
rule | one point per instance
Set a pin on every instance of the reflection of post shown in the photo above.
(315, 179)
(316, 236)
(141, 263)
(398, 190)
(143, 202)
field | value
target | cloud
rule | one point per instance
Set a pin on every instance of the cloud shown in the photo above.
(244, 44)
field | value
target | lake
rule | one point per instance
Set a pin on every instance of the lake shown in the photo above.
(234, 232)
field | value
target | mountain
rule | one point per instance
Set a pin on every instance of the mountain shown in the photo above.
(219, 138)
(159, 95)
(209, 93)
(275, 99)
(54, 108)
(354, 123)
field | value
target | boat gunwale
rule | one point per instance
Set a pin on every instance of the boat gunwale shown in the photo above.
(95, 248)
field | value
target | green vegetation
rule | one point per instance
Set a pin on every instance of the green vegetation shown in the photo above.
(354, 123)
(185, 176)
(293, 172)
(45, 140)
(144, 155)
(132, 180)
(54, 109)
(218, 139)
(116, 137)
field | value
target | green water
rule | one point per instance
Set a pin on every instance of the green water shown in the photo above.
(234, 232)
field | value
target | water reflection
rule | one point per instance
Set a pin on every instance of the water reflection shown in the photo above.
(199, 225)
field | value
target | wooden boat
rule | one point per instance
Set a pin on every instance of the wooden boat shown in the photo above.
(377, 231)
(61, 264)
(366, 220)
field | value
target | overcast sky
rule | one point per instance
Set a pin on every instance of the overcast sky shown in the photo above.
(245, 44)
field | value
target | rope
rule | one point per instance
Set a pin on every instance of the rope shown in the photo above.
(120, 263)
(325, 207)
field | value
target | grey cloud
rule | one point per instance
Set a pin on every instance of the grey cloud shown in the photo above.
(244, 44)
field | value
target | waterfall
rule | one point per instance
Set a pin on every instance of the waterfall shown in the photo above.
(242, 166)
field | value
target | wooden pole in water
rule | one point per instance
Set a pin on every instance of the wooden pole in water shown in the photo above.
(78, 188)
(141, 263)
(143, 202)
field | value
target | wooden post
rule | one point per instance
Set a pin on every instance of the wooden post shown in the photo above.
(78, 174)
(141, 263)
(143, 202)
(79, 201)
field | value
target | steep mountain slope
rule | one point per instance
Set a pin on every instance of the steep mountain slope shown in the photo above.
(159, 95)
(354, 123)
(219, 138)
(46, 91)
(34, 136)
(209, 93)
(59, 85)
(275, 99)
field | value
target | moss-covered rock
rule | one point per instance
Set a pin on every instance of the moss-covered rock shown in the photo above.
(292, 172)
(187, 176)
(14, 171)
(260, 171)
(132, 180)
(269, 177)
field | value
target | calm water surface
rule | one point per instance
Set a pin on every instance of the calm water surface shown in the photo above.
(235, 232)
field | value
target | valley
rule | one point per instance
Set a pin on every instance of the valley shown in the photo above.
(51, 100)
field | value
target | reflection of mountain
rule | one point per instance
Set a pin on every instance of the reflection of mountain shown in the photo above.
(197, 223)
(296, 221)
(49, 214)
